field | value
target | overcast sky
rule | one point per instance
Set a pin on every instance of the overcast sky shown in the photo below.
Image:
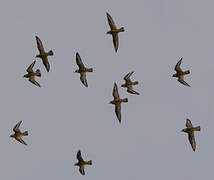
(63, 116)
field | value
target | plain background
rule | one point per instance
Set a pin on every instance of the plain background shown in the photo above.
(63, 116)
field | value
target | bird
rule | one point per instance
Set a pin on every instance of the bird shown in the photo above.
(42, 54)
(129, 84)
(180, 74)
(32, 74)
(81, 163)
(117, 102)
(82, 70)
(114, 31)
(190, 131)
(18, 134)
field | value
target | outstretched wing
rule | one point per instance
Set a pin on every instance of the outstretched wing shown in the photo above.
(16, 127)
(79, 61)
(79, 156)
(191, 138)
(22, 141)
(115, 41)
(30, 68)
(118, 111)
(39, 45)
(188, 123)
(130, 90)
(111, 22)
(83, 79)
(181, 80)
(32, 80)
(177, 66)
(81, 170)
(127, 77)
(115, 92)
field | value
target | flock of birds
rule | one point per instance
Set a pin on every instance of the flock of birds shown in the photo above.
(43, 55)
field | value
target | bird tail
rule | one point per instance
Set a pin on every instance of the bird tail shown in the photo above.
(89, 69)
(50, 53)
(89, 162)
(122, 29)
(25, 133)
(125, 100)
(135, 83)
(198, 128)
(38, 73)
(187, 72)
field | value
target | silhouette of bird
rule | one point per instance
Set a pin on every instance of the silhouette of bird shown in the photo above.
(18, 134)
(129, 84)
(42, 54)
(82, 70)
(81, 163)
(190, 131)
(31, 74)
(114, 31)
(117, 102)
(180, 74)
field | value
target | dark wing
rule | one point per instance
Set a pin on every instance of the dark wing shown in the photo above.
(39, 45)
(22, 141)
(83, 79)
(16, 127)
(81, 170)
(118, 111)
(32, 80)
(79, 156)
(115, 92)
(188, 123)
(79, 61)
(127, 77)
(130, 90)
(111, 22)
(181, 80)
(115, 41)
(177, 67)
(30, 68)
(191, 138)
(46, 63)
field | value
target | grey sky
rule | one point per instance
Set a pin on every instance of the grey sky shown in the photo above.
(64, 116)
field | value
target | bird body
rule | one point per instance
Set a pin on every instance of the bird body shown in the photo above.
(190, 131)
(129, 84)
(18, 134)
(180, 74)
(81, 163)
(82, 70)
(117, 102)
(43, 55)
(32, 74)
(114, 31)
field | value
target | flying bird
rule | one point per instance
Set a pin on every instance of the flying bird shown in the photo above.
(82, 70)
(190, 131)
(129, 84)
(117, 102)
(81, 163)
(180, 74)
(18, 134)
(42, 54)
(32, 74)
(114, 31)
